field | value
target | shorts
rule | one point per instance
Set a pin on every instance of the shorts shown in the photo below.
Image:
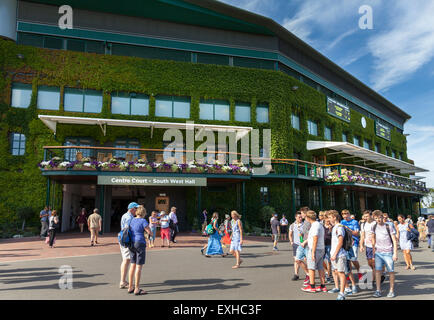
(384, 259)
(319, 259)
(138, 253)
(327, 253)
(125, 252)
(340, 264)
(356, 253)
(301, 253)
(283, 229)
(352, 254)
(275, 237)
(294, 249)
(369, 253)
(165, 233)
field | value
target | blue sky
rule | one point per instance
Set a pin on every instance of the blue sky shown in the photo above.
(395, 58)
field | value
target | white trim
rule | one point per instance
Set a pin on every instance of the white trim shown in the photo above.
(366, 154)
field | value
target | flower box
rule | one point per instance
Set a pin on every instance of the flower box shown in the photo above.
(216, 171)
(83, 168)
(140, 169)
(193, 170)
(169, 170)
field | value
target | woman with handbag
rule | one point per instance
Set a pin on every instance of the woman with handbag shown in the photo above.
(214, 247)
(53, 225)
(403, 234)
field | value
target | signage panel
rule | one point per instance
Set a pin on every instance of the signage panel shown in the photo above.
(338, 110)
(382, 131)
(151, 181)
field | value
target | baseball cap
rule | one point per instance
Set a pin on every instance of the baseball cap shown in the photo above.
(132, 205)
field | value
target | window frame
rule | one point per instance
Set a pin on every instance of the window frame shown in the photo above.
(83, 101)
(21, 139)
(243, 105)
(309, 127)
(263, 106)
(293, 115)
(214, 102)
(172, 99)
(328, 129)
(130, 96)
(22, 86)
(41, 88)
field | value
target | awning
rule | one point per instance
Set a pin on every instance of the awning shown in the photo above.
(366, 154)
(52, 121)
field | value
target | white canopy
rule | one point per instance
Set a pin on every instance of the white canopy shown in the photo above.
(52, 121)
(366, 154)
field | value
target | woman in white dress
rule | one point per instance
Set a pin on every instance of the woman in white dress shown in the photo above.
(405, 244)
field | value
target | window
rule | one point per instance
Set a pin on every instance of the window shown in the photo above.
(150, 52)
(212, 59)
(70, 154)
(314, 193)
(172, 107)
(312, 128)
(78, 100)
(366, 144)
(253, 63)
(21, 95)
(344, 137)
(264, 195)
(356, 140)
(295, 121)
(242, 112)
(297, 197)
(377, 148)
(126, 144)
(327, 133)
(131, 104)
(214, 110)
(332, 198)
(53, 43)
(48, 98)
(18, 144)
(262, 113)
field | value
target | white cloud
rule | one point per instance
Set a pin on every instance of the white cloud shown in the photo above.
(406, 46)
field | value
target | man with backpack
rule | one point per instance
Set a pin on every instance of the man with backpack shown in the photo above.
(365, 238)
(385, 249)
(355, 228)
(125, 251)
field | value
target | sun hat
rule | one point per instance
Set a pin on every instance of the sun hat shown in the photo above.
(132, 205)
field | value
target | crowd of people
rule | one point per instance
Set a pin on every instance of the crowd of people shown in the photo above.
(329, 244)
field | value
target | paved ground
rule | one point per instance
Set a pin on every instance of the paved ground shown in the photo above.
(29, 270)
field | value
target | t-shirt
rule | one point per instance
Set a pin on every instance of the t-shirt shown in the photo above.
(367, 227)
(283, 222)
(94, 220)
(383, 243)
(125, 220)
(164, 221)
(173, 217)
(45, 219)
(353, 225)
(296, 229)
(274, 224)
(336, 232)
(153, 222)
(306, 228)
(316, 229)
(430, 225)
(137, 228)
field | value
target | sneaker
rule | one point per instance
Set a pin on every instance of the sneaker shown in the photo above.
(321, 289)
(308, 289)
(340, 296)
(334, 290)
(391, 294)
(306, 280)
(348, 291)
(355, 290)
(295, 278)
(377, 294)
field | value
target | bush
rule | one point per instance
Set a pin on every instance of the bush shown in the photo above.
(25, 213)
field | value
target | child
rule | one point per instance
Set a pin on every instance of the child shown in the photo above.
(236, 237)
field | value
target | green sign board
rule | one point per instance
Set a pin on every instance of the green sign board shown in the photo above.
(151, 181)
(382, 131)
(338, 110)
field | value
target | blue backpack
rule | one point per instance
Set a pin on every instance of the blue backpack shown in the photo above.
(413, 234)
(125, 237)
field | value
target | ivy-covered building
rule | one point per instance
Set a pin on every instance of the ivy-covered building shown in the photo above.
(101, 95)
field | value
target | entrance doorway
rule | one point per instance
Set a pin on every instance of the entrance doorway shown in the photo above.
(162, 204)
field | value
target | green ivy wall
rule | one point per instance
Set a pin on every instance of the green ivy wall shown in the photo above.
(22, 183)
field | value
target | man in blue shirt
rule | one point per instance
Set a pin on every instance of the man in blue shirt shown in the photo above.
(354, 226)
(125, 222)
(44, 215)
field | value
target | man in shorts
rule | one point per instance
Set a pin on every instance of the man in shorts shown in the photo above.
(338, 255)
(385, 249)
(295, 230)
(315, 254)
(354, 226)
(302, 249)
(275, 229)
(365, 238)
(125, 252)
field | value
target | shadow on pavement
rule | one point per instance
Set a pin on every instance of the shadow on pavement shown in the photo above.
(76, 285)
(25, 270)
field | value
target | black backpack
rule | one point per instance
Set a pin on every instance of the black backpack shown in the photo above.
(348, 238)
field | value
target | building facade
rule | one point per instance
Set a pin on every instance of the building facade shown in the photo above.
(100, 96)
